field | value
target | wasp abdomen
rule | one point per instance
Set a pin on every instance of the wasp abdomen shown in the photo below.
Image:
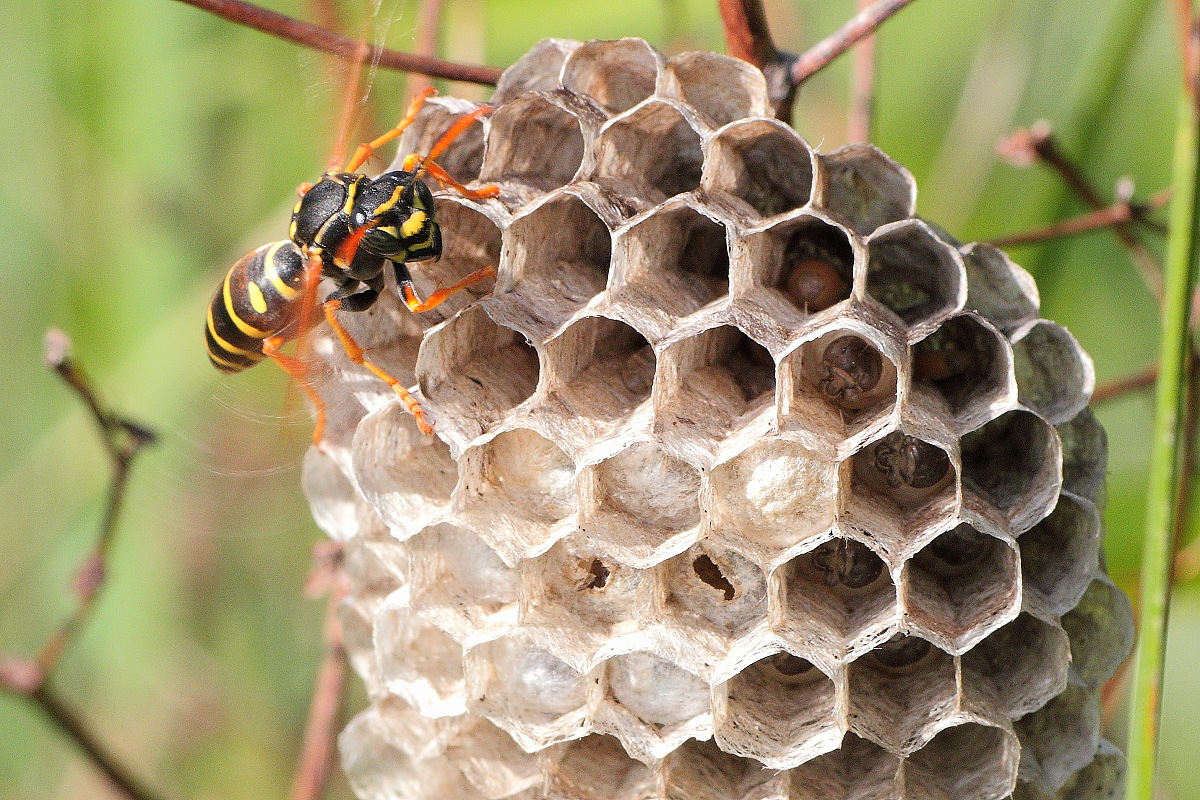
(257, 300)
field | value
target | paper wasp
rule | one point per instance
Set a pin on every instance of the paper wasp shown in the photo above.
(346, 227)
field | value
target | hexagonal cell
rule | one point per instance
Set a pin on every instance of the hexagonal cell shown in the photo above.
(407, 477)
(1101, 631)
(493, 763)
(965, 762)
(648, 155)
(618, 74)
(969, 365)
(470, 241)
(702, 771)
(597, 768)
(460, 584)
(774, 496)
(558, 254)
(866, 188)
(418, 662)
(358, 630)
(716, 588)
(475, 371)
(375, 768)
(805, 264)
(463, 157)
(720, 88)
(900, 692)
(714, 379)
(519, 510)
(535, 118)
(838, 598)
(915, 274)
(1055, 376)
(1059, 739)
(901, 484)
(374, 569)
(1085, 456)
(858, 770)
(1061, 553)
(961, 586)
(838, 389)
(761, 166)
(1019, 668)
(1014, 463)
(580, 603)
(642, 504)
(781, 710)
(419, 737)
(537, 698)
(997, 288)
(1103, 779)
(331, 498)
(672, 263)
(653, 706)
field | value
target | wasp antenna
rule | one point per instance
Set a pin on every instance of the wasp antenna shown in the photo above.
(350, 99)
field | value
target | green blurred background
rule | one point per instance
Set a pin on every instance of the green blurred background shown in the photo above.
(145, 145)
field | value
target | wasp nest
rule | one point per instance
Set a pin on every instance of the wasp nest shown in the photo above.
(746, 485)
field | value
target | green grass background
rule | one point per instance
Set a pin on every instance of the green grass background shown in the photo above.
(145, 145)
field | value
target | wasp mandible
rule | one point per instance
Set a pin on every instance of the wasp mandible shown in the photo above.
(346, 227)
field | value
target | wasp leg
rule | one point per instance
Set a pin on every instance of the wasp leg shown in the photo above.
(417, 305)
(366, 149)
(355, 353)
(295, 368)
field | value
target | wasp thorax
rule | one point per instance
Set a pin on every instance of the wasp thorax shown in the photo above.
(707, 571)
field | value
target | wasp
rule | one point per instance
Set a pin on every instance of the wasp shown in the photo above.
(347, 227)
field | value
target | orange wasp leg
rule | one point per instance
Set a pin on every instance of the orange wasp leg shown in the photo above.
(367, 149)
(355, 353)
(295, 368)
(416, 305)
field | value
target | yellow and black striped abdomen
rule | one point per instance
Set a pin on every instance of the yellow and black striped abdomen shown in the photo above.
(258, 299)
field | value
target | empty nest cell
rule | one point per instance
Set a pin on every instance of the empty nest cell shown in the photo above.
(463, 158)
(915, 274)
(648, 155)
(866, 188)
(535, 142)
(806, 261)
(964, 762)
(492, 762)
(858, 770)
(962, 585)
(781, 710)
(1014, 463)
(702, 771)
(702, 80)
(673, 262)
(519, 488)
(714, 379)
(475, 371)
(602, 370)
(772, 497)
(899, 692)
(901, 483)
(839, 598)
(763, 164)
(597, 767)
(968, 364)
(1018, 668)
(616, 74)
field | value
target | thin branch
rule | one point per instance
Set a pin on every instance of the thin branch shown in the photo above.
(1105, 217)
(1037, 144)
(1121, 386)
(862, 87)
(123, 440)
(316, 757)
(748, 37)
(318, 38)
(862, 25)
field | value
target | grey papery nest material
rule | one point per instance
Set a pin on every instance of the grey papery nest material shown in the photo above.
(746, 483)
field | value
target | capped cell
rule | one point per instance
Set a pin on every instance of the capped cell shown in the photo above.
(648, 154)
(1085, 456)
(772, 498)
(1055, 377)
(761, 167)
(460, 584)
(597, 768)
(968, 365)
(1018, 668)
(801, 265)
(839, 600)
(419, 662)
(653, 705)
(720, 88)
(493, 763)
(617, 73)
(916, 275)
(1101, 632)
(1013, 464)
(999, 290)
(781, 710)
(900, 693)
(1061, 553)
(475, 371)
(961, 586)
(1060, 738)
(518, 509)
(969, 761)
(866, 188)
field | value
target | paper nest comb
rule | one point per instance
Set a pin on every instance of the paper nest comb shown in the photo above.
(746, 485)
